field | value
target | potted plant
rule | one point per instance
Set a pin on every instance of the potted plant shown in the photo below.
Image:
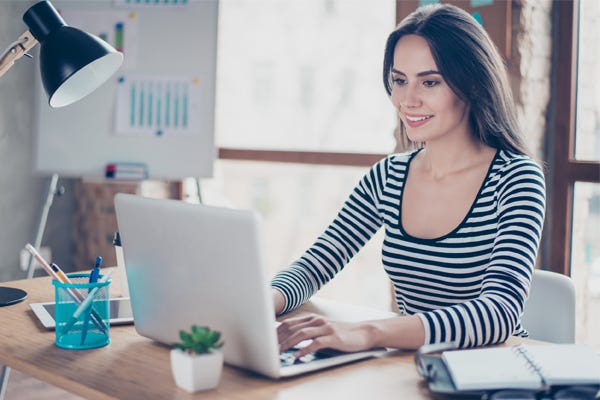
(197, 362)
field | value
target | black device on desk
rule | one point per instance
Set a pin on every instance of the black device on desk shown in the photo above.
(10, 296)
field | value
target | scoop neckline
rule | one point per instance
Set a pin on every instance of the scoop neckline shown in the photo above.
(465, 218)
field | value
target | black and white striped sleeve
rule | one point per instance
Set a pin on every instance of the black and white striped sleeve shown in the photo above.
(355, 224)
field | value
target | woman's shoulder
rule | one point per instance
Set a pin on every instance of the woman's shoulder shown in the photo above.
(518, 171)
(399, 160)
(507, 162)
(391, 169)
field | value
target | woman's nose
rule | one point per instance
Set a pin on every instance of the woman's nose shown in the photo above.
(409, 97)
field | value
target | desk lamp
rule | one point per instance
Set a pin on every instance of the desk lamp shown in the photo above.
(73, 64)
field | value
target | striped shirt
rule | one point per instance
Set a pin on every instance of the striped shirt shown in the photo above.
(467, 286)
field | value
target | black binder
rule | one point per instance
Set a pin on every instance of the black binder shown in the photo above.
(437, 371)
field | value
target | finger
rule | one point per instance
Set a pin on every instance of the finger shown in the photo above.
(307, 333)
(295, 321)
(293, 339)
(322, 342)
(289, 327)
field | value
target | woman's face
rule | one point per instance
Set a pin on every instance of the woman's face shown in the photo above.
(427, 106)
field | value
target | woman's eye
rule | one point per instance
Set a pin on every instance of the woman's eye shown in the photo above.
(431, 83)
(399, 81)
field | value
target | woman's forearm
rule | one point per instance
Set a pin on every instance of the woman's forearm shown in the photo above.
(406, 332)
(278, 301)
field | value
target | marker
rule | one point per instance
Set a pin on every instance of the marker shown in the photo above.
(86, 303)
(119, 36)
(59, 272)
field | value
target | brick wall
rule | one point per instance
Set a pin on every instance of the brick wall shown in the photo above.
(95, 222)
(530, 67)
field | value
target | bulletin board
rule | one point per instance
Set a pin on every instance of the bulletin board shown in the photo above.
(494, 15)
(158, 109)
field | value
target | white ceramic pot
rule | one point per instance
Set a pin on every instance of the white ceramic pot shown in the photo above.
(194, 372)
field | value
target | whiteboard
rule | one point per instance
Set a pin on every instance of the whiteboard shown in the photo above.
(79, 140)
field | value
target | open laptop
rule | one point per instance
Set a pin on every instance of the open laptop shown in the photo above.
(194, 264)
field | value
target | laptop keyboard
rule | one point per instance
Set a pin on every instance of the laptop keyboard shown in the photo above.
(287, 357)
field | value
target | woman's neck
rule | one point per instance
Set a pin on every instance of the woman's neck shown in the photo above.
(442, 158)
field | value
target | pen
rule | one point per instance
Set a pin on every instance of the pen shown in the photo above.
(93, 279)
(59, 276)
(86, 303)
(96, 270)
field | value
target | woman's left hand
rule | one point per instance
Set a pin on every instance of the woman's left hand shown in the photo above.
(344, 336)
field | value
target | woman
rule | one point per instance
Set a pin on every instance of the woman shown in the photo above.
(462, 214)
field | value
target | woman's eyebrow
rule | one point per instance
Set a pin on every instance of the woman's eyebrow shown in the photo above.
(423, 73)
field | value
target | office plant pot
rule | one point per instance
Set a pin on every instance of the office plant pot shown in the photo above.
(195, 372)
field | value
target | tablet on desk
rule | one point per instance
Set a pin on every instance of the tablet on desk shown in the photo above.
(120, 312)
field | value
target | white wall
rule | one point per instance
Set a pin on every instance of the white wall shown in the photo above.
(21, 193)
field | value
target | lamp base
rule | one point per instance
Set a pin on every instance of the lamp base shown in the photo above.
(10, 296)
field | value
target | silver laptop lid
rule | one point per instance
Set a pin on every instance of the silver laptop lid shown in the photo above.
(193, 264)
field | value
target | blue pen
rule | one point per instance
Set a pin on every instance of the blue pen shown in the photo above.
(96, 270)
(93, 279)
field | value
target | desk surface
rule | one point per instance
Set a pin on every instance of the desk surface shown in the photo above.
(133, 367)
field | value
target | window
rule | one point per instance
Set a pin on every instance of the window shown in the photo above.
(301, 82)
(304, 75)
(573, 155)
(587, 133)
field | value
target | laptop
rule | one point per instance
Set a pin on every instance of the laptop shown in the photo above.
(195, 264)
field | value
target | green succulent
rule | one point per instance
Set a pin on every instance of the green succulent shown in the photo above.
(200, 340)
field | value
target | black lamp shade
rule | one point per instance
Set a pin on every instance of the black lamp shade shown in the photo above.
(73, 63)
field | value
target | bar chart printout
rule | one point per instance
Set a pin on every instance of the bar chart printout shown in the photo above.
(157, 106)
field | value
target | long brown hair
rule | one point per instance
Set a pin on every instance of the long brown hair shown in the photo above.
(472, 67)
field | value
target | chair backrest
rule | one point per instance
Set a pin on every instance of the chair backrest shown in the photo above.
(549, 313)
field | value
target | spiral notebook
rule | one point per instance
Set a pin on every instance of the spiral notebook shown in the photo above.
(523, 367)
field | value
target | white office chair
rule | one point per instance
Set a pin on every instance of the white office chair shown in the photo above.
(549, 313)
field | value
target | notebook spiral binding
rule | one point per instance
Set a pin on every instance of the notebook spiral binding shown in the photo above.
(531, 363)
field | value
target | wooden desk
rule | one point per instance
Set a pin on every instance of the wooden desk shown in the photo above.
(133, 367)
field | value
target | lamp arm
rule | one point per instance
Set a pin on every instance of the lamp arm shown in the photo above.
(16, 50)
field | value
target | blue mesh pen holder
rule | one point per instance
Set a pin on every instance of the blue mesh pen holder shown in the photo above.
(82, 312)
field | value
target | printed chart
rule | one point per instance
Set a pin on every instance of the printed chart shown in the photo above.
(157, 106)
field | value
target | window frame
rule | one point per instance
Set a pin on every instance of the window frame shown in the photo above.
(300, 157)
(564, 169)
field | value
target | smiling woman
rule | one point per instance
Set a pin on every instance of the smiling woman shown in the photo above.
(470, 65)
(421, 95)
(462, 214)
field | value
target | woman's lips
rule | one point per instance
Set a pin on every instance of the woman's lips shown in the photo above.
(414, 121)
